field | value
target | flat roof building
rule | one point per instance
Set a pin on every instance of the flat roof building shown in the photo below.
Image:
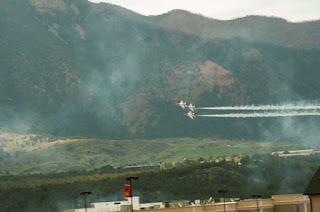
(277, 203)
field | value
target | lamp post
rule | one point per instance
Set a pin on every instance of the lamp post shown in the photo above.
(117, 203)
(224, 197)
(130, 180)
(85, 193)
(257, 196)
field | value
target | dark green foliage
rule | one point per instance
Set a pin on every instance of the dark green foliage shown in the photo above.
(314, 185)
(263, 174)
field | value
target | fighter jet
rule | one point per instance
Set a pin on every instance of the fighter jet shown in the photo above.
(191, 115)
(182, 104)
(192, 107)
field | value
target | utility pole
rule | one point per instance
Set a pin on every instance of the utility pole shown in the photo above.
(224, 197)
(130, 180)
(257, 196)
(84, 193)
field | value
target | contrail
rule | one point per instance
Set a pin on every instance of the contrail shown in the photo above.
(260, 115)
(264, 107)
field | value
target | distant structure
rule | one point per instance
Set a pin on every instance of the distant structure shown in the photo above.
(118, 205)
(277, 203)
(313, 191)
(143, 166)
(285, 154)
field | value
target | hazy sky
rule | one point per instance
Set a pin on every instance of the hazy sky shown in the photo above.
(292, 10)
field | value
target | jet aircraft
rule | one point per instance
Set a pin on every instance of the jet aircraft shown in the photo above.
(182, 104)
(192, 107)
(191, 115)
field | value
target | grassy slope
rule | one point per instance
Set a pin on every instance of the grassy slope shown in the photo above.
(77, 154)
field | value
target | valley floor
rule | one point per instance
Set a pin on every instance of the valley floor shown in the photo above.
(34, 154)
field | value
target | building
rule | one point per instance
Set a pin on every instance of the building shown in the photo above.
(313, 191)
(120, 206)
(277, 203)
(285, 154)
(117, 205)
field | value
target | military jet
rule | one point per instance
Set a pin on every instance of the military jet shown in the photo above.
(182, 104)
(192, 107)
(191, 115)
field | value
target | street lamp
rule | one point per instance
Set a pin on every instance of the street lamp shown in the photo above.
(85, 193)
(224, 197)
(257, 196)
(130, 180)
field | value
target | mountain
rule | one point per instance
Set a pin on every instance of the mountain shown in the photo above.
(272, 30)
(74, 68)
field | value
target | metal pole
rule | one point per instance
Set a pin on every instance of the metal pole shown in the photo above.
(85, 202)
(85, 198)
(311, 206)
(131, 196)
(130, 179)
(224, 201)
(257, 196)
(224, 198)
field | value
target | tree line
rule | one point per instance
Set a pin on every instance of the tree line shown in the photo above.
(263, 174)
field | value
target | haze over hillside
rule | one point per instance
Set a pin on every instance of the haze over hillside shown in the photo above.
(291, 10)
(74, 68)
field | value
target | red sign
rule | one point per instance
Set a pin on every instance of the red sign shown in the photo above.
(127, 191)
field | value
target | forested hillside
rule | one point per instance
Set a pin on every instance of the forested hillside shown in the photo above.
(35, 154)
(74, 68)
(266, 175)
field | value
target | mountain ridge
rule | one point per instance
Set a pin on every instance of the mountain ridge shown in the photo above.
(201, 21)
(85, 67)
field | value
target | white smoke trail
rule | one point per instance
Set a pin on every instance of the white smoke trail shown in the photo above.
(265, 107)
(260, 115)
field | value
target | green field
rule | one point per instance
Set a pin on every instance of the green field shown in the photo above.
(78, 154)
